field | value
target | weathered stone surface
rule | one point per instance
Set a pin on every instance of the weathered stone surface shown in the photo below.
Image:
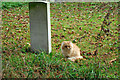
(40, 31)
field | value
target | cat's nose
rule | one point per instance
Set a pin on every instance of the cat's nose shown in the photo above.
(67, 56)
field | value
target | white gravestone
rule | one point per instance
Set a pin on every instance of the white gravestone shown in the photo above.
(40, 29)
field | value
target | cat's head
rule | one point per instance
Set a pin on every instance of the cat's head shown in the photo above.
(66, 45)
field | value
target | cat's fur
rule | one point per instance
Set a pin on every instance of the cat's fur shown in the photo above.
(70, 50)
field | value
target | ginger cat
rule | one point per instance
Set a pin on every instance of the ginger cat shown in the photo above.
(70, 50)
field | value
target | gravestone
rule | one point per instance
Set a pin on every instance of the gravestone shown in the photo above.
(40, 30)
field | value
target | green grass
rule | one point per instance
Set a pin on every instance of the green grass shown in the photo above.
(7, 5)
(66, 20)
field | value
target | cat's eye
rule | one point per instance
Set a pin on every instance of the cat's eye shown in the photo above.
(65, 46)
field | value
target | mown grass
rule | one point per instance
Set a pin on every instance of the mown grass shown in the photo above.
(76, 22)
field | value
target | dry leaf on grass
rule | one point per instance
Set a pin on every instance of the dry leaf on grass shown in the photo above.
(110, 62)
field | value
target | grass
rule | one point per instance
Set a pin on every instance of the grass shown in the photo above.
(7, 5)
(77, 22)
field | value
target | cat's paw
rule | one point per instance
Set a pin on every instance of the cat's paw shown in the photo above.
(72, 59)
(80, 57)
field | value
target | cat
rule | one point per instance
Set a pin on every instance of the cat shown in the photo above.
(70, 50)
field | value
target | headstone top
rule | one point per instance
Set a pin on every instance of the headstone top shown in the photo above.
(60, 0)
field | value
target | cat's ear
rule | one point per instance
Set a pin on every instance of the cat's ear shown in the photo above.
(62, 43)
(71, 43)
